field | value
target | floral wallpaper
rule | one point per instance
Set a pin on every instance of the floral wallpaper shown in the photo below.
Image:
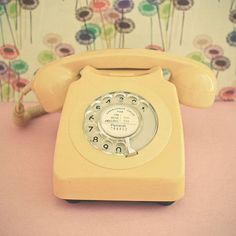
(35, 32)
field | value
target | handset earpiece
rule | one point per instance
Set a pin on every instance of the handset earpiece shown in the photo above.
(195, 85)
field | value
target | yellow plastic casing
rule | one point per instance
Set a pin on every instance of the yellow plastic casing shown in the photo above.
(156, 173)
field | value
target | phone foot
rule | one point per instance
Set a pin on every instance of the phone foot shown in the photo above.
(166, 203)
(72, 201)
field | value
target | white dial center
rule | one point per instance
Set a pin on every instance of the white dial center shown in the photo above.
(119, 121)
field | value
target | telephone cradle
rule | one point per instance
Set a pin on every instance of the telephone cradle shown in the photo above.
(120, 136)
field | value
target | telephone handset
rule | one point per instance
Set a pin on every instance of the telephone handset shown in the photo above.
(120, 135)
(195, 83)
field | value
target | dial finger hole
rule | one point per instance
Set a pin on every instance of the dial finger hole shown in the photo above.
(107, 146)
(119, 98)
(106, 100)
(90, 129)
(143, 106)
(133, 100)
(96, 140)
(97, 106)
(120, 149)
(90, 117)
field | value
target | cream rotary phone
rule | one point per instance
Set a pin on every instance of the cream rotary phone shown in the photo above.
(120, 135)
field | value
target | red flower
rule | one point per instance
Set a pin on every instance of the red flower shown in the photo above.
(9, 52)
(99, 5)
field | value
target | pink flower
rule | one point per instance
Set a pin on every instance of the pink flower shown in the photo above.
(9, 52)
(18, 84)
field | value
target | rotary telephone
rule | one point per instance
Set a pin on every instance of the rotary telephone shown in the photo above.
(120, 135)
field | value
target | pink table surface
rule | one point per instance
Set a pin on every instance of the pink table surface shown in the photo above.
(28, 207)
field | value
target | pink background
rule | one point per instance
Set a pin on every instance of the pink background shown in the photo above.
(28, 207)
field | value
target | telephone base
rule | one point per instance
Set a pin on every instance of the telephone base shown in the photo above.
(128, 187)
(83, 170)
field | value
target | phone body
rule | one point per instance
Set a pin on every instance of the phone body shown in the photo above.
(120, 135)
